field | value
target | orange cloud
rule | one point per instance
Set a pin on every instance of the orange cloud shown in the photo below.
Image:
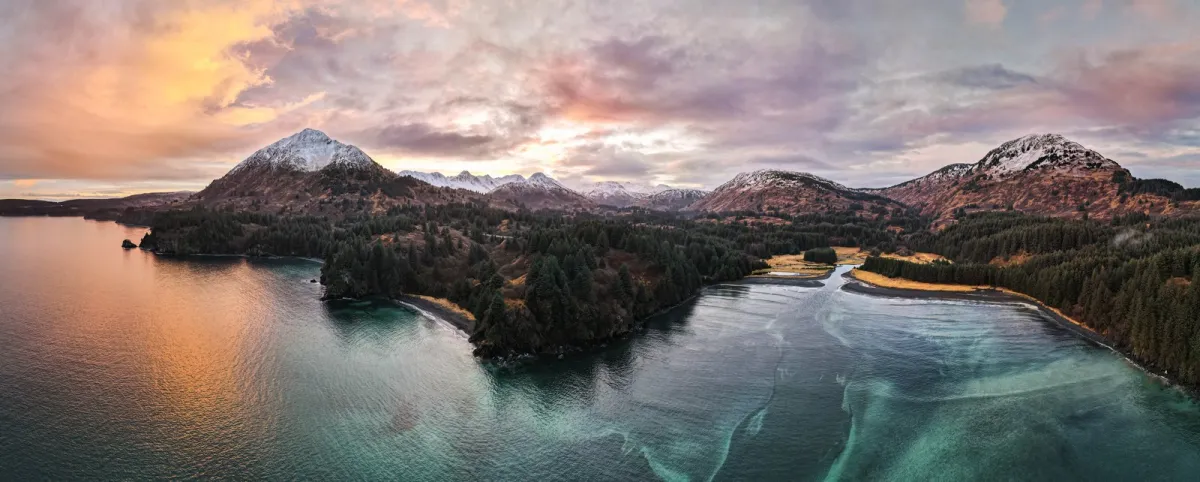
(990, 13)
(114, 97)
(1154, 9)
(129, 89)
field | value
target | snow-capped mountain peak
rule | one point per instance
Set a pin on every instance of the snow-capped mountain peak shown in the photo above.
(1039, 151)
(308, 150)
(539, 179)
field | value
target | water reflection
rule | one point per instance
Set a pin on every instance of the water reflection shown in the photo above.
(122, 365)
(358, 320)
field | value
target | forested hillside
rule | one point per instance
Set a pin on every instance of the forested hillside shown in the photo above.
(1135, 280)
(534, 282)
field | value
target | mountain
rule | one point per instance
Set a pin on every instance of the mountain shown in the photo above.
(621, 194)
(464, 180)
(539, 192)
(310, 173)
(790, 192)
(1043, 174)
(672, 199)
(309, 150)
(125, 209)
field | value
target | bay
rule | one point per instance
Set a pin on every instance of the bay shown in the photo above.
(120, 364)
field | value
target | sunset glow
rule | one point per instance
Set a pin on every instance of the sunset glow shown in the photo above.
(138, 95)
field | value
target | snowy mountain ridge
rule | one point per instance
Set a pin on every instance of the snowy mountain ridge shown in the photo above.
(464, 180)
(611, 188)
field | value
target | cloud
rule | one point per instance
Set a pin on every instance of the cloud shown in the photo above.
(685, 91)
(1160, 10)
(991, 76)
(619, 80)
(989, 13)
(140, 89)
(1151, 84)
(1147, 94)
(107, 90)
(424, 139)
(601, 161)
(1053, 15)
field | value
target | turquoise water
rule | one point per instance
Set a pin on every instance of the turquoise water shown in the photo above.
(121, 365)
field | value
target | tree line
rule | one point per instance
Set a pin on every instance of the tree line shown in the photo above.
(534, 282)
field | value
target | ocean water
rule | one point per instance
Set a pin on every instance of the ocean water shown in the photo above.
(122, 365)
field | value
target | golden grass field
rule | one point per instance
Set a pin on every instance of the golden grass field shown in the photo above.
(795, 263)
(917, 257)
(900, 283)
(850, 255)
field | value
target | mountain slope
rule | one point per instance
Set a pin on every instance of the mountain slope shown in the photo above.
(539, 192)
(790, 192)
(310, 173)
(1043, 174)
(621, 194)
(126, 209)
(672, 199)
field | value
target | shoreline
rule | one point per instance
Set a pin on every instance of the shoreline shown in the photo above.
(968, 292)
(856, 285)
(436, 311)
(781, 280)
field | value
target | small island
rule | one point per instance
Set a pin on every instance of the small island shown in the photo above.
(127, 244)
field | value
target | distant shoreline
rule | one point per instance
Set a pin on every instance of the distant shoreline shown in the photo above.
(808, 281)
(856, 285)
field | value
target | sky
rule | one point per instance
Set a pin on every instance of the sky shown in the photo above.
(114, 97)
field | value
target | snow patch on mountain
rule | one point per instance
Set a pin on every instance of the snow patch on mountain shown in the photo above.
(673, 194)
(778, 178)
(464, 180)
(949, 173)
(542, 181)
(309, 150)
(622, 188)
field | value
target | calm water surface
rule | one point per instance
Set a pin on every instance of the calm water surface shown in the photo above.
(121, 365)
